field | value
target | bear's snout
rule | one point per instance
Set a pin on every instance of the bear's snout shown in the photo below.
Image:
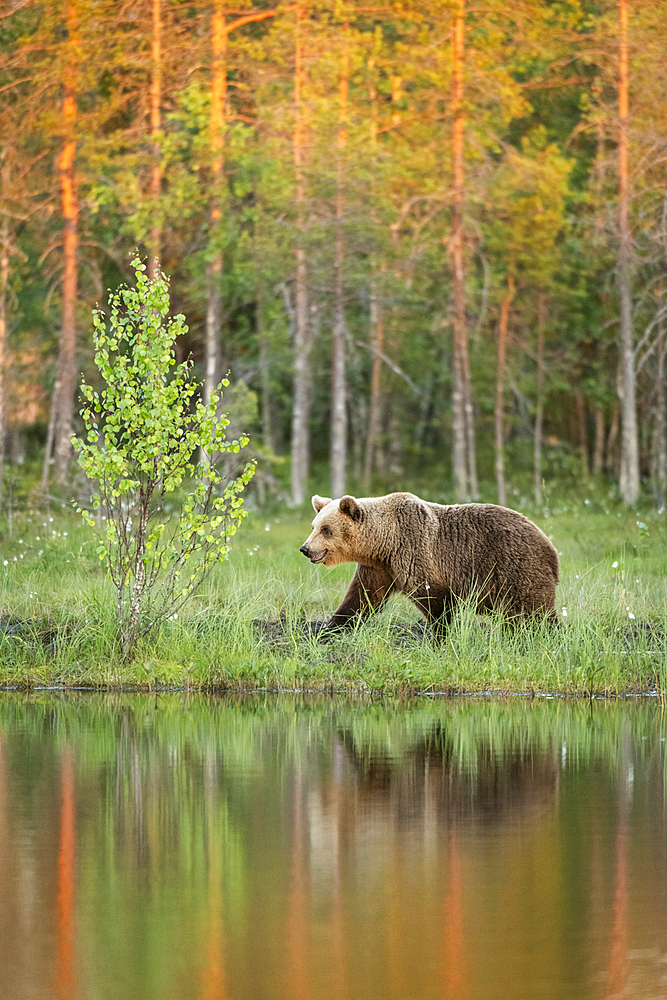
(312, 554)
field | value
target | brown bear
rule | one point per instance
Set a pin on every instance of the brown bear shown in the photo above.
(435, 554)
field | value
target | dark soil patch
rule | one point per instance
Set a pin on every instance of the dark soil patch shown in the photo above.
(652, 635)
(278, 633)
(281, 634)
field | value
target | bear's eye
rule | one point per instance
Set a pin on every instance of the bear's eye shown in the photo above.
(325, 531)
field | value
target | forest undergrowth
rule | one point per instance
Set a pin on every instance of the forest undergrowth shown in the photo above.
(255, 623)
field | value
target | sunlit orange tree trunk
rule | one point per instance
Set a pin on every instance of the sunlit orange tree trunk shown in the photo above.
(156, 124)
(4, 288)
(217, 145)
(63, 401)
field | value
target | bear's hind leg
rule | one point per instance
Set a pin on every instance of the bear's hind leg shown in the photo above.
(438, 611)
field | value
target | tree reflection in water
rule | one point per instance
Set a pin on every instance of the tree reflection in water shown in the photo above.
(268, 847)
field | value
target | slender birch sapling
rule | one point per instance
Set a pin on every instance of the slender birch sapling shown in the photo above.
(144, 432)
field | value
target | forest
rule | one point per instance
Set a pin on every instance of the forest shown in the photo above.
(427, 239)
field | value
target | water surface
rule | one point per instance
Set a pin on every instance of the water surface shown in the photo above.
(315, 849)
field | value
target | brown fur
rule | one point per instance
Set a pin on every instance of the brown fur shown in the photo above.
(434, 554)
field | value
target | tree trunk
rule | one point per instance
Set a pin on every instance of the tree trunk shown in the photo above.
(598, 452)
(338, 385)
(464, 462)
(629, 483)
(50, 435)
(539, 405)
(660, 431)
(458, 281)
(500, 378)
(156, 170)
(264, 372)
(66, 377)
(612, 437)
(581, 432)
(377, 340)
(598, 177)
(219, 36)
(470, 425)
(4, 282)
(375, 317)
(301, 378)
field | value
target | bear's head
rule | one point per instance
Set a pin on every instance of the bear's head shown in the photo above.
(335, 531)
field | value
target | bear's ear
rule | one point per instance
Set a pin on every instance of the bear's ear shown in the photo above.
(348, 505)
(320, 502)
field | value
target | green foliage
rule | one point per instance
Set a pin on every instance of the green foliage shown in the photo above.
(144, 430)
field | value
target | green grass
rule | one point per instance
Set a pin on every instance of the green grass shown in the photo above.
(60, 594)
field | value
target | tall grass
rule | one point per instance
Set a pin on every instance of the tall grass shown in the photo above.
(59, 625)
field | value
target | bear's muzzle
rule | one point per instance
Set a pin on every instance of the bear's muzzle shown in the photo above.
(314, 557)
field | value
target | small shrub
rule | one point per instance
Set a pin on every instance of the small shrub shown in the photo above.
(145, 430)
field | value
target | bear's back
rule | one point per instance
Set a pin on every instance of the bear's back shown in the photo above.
(489, 539)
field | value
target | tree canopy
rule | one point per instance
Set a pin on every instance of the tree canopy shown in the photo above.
(421, 234)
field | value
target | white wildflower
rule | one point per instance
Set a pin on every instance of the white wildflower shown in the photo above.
(630, 615)
(564, 612)
(614, 565)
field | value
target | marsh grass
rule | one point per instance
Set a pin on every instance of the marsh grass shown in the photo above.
(255, 623)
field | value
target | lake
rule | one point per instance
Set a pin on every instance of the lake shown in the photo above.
(316, 848)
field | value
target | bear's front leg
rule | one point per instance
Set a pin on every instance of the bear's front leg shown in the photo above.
(369, 589)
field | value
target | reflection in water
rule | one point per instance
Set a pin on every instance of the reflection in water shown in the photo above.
(65, 982)
(213, 976)
(266, 848)
(618, 965)
(296, 971)
(454, 957)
